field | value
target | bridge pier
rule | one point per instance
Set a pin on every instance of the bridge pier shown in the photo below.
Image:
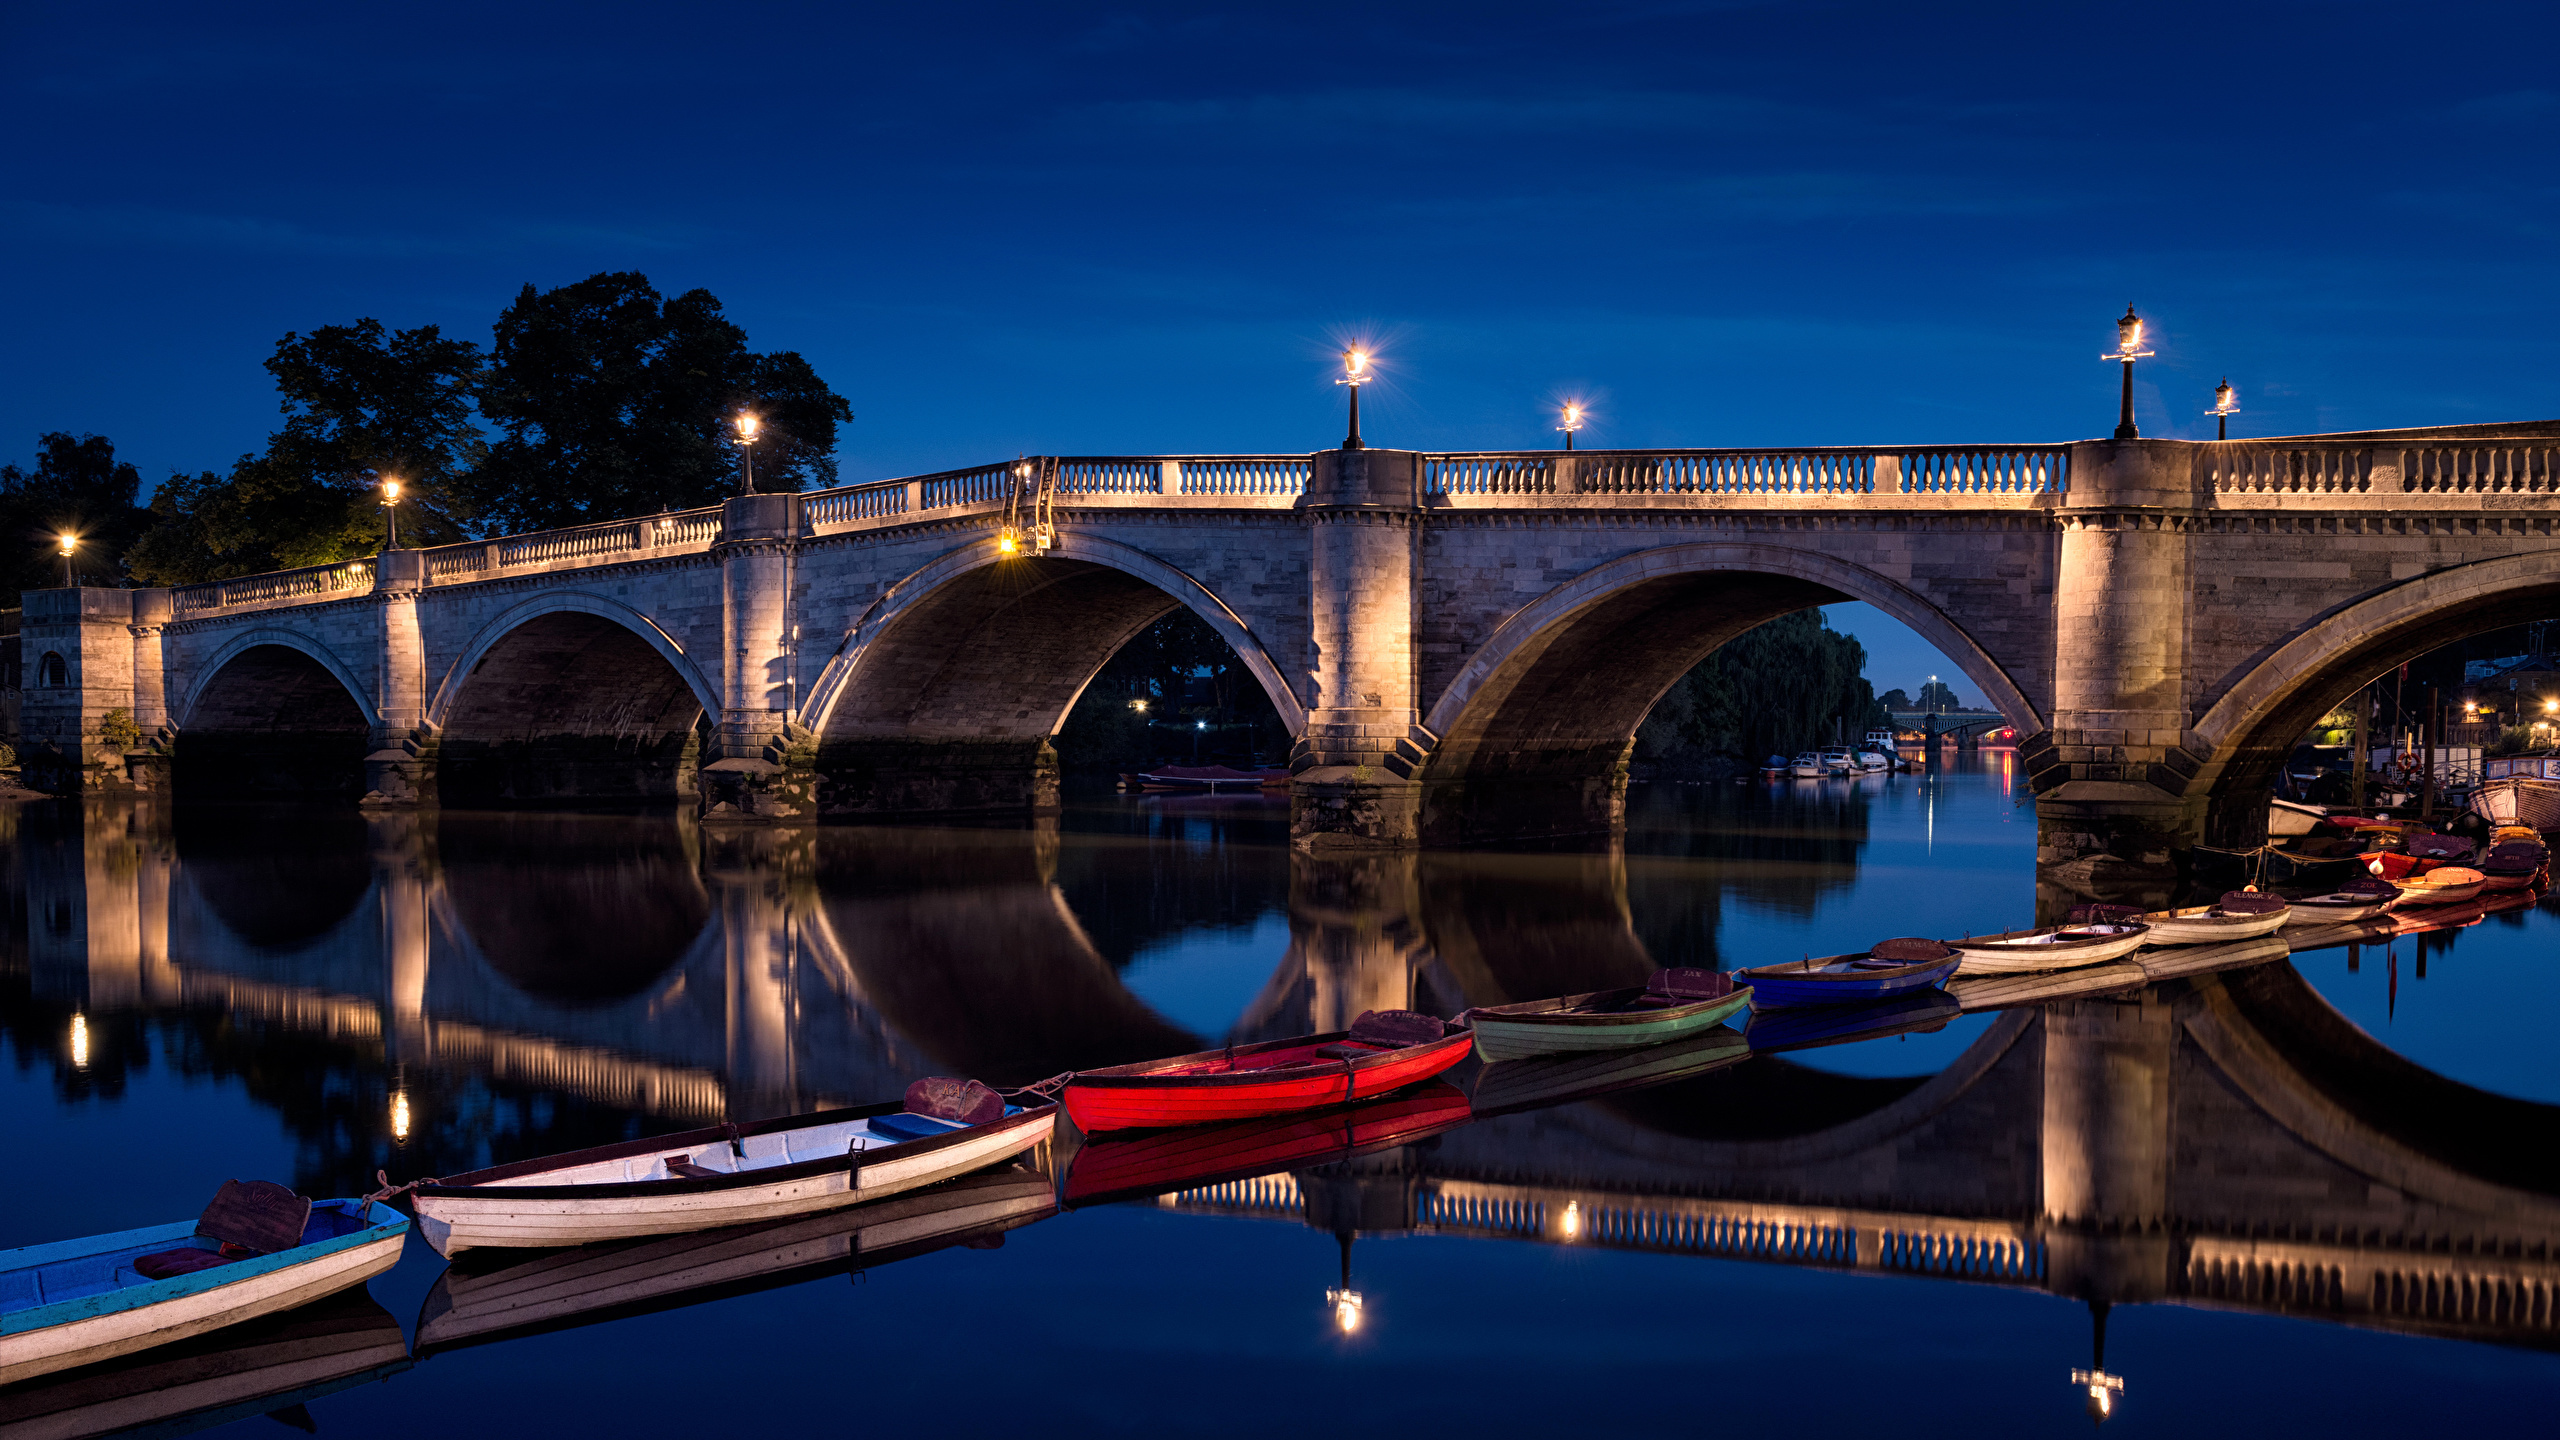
(1352, 770)
(762, 768)
(2110, 771)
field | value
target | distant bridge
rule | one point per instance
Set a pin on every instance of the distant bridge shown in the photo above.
(1961, 724)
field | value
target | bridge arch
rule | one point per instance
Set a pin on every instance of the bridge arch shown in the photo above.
(569, 696)
(945, 691)
(273, 711)
(2247, 733)
(1549, 704)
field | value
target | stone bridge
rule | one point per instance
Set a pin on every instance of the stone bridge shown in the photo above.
(1462, 645)
(2224, 1139)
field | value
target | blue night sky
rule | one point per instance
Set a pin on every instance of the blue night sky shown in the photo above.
(1080, 229)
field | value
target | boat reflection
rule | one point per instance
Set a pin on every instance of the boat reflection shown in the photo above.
(496, 1295)
(2195, 1127)
(271, 1366)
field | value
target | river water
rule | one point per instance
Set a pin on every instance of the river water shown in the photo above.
(2315, 1193)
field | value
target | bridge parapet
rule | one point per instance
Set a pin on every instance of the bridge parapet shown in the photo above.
(2356, 471)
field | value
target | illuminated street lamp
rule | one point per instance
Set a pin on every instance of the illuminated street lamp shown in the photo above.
(1355, 373)
(1572, 422)
(2128, 349)
(748, 425)
(2226, 403)
(69, 543)
(391, 513)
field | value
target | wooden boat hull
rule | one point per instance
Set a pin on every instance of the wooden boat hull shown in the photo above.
(239, 1371)
(1534, 1084)
(1551, 1027)
(475, 1302)
(2006, 955)
(1770, 991)
(456, 1217)
(1137, 1165)
(2307, 914)
(2415, 897)
(94, 1327)
(1129, 1098)
(2286, 818)
(2170, 927)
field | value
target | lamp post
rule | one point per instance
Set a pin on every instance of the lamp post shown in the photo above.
(748, 425)
(2128, 349)
(390, 513)
(2226, 403)
(1355, 373)
(69, 543)
(1572, 422)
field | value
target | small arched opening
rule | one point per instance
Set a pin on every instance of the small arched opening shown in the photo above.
(952, 697)
(51, 672)
(569, 707)
(272, 721)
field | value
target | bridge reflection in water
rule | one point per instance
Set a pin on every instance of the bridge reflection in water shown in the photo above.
(2225, 1139)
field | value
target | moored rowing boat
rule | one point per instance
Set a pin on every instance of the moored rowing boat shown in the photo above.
(1890, 968)
(2446, 885)
(490, 1296)
(1673, 1004)
(1135, 1165)
(1384, 1050)
(2239, 915)
(257, 1250)
(732, 1174)
(2051, 947)
(1545, 1080)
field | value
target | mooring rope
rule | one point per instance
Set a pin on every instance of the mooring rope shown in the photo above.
(390, 1191)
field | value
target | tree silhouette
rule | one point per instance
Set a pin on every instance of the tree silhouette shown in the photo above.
(77, 486)
(616, 401)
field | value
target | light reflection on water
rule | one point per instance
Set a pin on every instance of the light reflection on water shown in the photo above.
(255, 988)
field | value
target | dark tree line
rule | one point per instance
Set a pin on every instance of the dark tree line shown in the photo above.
(597, 399)
(1789, 685)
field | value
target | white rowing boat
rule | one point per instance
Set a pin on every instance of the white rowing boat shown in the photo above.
(2054, 947)
(731, 1174)
(494, 1296)
(258, 1249)
(2239, 915)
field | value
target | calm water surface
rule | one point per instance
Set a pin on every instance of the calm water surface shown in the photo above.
(2319, 1193)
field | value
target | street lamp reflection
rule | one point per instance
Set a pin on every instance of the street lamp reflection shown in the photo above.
(79, 1042)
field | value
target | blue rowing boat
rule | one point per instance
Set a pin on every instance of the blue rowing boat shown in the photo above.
(1891, 968)
(257, 1249)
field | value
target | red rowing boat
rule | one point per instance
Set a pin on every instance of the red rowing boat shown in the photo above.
(1143, 1166)
(1383, 1050)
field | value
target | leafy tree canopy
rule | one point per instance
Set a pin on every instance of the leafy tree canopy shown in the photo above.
(616, 401)
(1789, 685)
(1937, 697)
(362, 404)
(77, 486)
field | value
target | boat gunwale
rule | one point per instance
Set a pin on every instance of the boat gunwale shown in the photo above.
(2014, 941)
(123, 1298)
(1560, 1012)
(1806, 974)
(1153, 1074)
(474, 1185)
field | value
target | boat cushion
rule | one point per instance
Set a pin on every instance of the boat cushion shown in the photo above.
(170, 1264)
(2250, 902)
(2104, 914)
(1687, 983)
(1910, 951)
(2373, 885)
(260, 1216)
(913, 1127)
(1396, 1029)
(962, 1102)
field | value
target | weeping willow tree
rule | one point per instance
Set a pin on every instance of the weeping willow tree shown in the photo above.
(1789, 685)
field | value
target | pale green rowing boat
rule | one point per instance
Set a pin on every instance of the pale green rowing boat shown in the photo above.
(1675, 1004)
